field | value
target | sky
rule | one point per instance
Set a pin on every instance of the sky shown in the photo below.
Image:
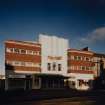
(80, 21)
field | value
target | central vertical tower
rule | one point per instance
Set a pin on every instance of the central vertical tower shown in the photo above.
(53, 54)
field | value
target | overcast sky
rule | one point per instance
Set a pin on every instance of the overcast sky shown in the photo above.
(80, 21)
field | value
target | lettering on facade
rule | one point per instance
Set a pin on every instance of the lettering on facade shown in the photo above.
(54, 58)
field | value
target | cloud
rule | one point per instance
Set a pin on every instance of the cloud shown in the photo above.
(97, 35)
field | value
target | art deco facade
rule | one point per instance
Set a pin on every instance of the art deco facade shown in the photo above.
(21, 60)
(31, 65)
(49, 63)
(80, 69)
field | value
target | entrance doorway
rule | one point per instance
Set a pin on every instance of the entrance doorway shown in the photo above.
(28, 83)
(36, 82)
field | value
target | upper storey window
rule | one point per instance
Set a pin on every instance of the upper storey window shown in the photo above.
(9, 50)
(59, 67)
(54, 66)
(49, 66)
(16, 50)
(21, 63)
(22, 51)
(30, 52)
(87, 58)
(71, 57)
(83, 67)
(36, 52)
(77, 58)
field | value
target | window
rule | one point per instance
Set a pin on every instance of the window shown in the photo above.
(72, 67)
(9, 62)
(36, 64)
(49, 66)
(9, 50)
(28, 64)
(72, 57)
(54, 66)
(34, 53)
(16, 63)
(23, 51)
(22, 63)
(29, 52)
(59, 67)
(83, 67)
(87, 68)
(77, 58)
(16, 50)
(93, 68)
(87, 59)
(37, 53)
(92, 59)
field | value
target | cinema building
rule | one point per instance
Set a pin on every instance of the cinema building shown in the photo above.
(36, 65)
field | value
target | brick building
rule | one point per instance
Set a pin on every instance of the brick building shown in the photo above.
(22, 60)
(80, 69)
(97, 60)
(48, 63)
(30, 65)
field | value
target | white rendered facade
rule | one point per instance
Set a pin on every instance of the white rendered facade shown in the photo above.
(54, 53)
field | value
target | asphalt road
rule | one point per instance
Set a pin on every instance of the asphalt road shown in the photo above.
(53, 97)
(61, 101)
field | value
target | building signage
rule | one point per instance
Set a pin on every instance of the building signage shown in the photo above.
(54, 58)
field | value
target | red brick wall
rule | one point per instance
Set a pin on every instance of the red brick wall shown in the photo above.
(83, 62)
(23, 57)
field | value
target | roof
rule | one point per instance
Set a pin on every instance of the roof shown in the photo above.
(99, 55)
(23, 42)
(44, 75)
(80, 51)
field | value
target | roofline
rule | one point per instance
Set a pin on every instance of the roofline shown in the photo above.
(99, 55)
(23, 42)
(80, 51)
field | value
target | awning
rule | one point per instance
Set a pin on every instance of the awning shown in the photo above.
(51, 76)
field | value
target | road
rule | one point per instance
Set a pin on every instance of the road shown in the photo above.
(61, 101)
(62, 97)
